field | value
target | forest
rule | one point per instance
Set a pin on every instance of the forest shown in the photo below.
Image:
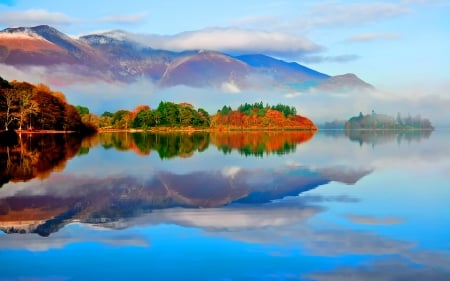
(24, 106)
(169, 115)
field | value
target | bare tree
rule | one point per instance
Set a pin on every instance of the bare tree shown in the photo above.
(27, 107)
(9, 102)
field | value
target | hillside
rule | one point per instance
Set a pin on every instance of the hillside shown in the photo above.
(114, 56)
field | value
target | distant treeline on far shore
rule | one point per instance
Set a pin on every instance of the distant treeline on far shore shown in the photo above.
(375, 121)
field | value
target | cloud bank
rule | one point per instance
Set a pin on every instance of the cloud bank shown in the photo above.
(365, 37)
(228, 40)
(125, 19)
(331, 13)
(33, 17)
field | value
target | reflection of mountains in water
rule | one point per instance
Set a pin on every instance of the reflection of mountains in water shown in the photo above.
(378, 137)
(64, 199)
(36, 155)
(169, 145)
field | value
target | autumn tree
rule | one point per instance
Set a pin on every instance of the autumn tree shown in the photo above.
(27, 107)
(37, 105)
(9, 105)
(121, 119)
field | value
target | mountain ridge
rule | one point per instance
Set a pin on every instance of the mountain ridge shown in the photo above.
(110, 57)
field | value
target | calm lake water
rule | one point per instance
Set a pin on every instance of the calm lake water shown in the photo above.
(237, 206)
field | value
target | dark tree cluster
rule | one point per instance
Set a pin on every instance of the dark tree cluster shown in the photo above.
(36, 107)
(260, 109)
(169, 114)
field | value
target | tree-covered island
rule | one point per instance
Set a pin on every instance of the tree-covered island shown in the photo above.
(28, 107)
(375, 121)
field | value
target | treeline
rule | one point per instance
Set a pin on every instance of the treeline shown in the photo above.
(184, 115)
(37, 107)
(259, 116)
(185, 144)
(167, 115)
(386, 122)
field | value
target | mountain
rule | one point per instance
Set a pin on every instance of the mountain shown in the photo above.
(114, 56)
(44, 45)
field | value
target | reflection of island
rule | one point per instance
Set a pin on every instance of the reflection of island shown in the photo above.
(36, 155)
(386, 136)
(257, 143)
(64, 199)
(378, 137)
(169, 145)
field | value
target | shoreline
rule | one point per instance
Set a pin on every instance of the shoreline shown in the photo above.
(213, 130)
(232, 129)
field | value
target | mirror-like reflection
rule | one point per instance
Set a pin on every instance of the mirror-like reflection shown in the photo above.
(36, 155)
(379, 137)
(185, 144)
(325, 208)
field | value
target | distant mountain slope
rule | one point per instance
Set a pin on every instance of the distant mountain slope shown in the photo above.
(113, 56)
(204, 68)
(44, 45)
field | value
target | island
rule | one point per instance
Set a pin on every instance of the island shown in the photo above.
(375, 121)
(26, 107)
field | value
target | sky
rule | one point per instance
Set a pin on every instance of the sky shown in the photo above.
(401, 47)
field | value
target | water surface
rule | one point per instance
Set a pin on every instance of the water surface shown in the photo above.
(234, 206)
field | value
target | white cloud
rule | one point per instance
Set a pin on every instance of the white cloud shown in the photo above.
(352, 14)
(373, 36)
(293, 94)
(125, 19)
(230, 40)
(230, 87)
(321, 59)
(33, 17)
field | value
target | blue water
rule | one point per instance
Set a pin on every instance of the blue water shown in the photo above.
(334, 209)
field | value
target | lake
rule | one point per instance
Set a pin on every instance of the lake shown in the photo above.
(226, 206)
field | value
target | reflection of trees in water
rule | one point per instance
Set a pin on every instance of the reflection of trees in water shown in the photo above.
(377, 137)
(36, 155)
(169, 145)
(257, 143)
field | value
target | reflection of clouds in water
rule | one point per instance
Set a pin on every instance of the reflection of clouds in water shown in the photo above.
(275, 224)
(225, 219)
(414, 156)
(371, 220)
(70, 235)
(328, 243)
(437, 258)
(385, 270)
(230, 171)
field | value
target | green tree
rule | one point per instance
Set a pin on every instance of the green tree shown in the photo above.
(82, 110)
(144, 119)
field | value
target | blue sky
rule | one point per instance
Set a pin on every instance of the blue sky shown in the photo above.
(401, 47)
(384, 42)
